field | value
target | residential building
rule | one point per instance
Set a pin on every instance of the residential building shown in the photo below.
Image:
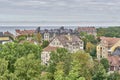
(114, 62)
(88, 30)
(24, 32)
(49, 34)
(70, 42)
(28, 33)
(45, 56)
(7, 33)
(4, 39)
(46, 36)
(107, 46)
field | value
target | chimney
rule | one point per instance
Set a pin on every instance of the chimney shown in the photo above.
(54, 34)
(69, 37)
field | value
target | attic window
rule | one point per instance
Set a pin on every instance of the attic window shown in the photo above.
(110, 62)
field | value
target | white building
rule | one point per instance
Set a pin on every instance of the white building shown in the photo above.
(70, 42)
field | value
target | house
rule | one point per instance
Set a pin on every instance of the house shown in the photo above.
(88, 30)
(70, 42)
(24, 32)
(114, 63)
(45, 56)
(107, 46)
(4, 39)
(46, 35)
(7, 33)
(49, 34)
(28, 33)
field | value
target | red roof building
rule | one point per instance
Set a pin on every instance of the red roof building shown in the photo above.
(114, 62)
(24, 32)
(88, 30)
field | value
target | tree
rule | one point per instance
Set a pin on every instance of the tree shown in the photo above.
(27, 68)
(105, 63)
(88, 39)
(46, 76)
(91, 48)
(38, 37)
(21, 38)
(81, 66)
(59, 64)
(61, 55)
(109, 32)
(3, 69)
(59, 73)
(114, 76)
(98, 72)
(45, 44)
(12, 52)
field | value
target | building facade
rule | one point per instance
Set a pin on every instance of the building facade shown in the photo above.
(45, 56)
(88, 30)
(70, 42)
(107, 46)
(4, 39)
(114, 63)
(49, 34)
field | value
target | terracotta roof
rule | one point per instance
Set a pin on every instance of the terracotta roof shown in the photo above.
(8, 33)
(114, 60)
(110, 41)
(86, 29)
(25, 32)
(50, 48)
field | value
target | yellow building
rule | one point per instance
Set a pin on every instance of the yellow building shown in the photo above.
(107, 46)
(4, 39)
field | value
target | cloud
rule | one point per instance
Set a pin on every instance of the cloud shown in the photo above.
(76, 10)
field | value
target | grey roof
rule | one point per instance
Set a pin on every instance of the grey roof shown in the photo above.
(60, 30)
(64, 39)
(117, 51)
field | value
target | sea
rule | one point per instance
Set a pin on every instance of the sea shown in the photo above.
(12, 26)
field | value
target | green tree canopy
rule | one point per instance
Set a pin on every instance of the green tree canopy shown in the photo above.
(28, 68)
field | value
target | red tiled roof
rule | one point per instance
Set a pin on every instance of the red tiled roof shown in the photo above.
(50, 48)
(25, 32)
(86, 29)
(114, 60)
(8, 33)
(111, 41)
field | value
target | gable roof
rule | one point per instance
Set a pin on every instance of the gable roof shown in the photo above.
(114, 60)
(8, 33)
(86, 29)
(65, 39)
(25, 32)
(117, 51)
(110, 41)
(50, 48)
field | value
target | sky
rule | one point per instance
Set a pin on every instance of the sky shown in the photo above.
(64, 11)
